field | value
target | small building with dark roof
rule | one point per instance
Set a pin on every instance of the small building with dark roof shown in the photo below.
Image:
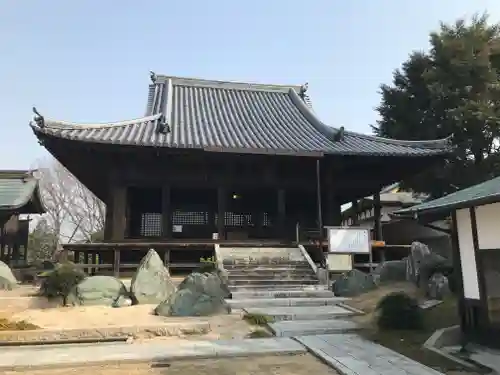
(255, 155)
(475, 214)
(19, 194)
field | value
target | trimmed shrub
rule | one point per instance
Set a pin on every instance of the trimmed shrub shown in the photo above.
(257, 319)
(59, 282)
(207, 265)
(398, 311)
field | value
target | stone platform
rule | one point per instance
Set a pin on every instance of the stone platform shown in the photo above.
(283, 302)
(301, 313)
(312, 327)
(84, 355)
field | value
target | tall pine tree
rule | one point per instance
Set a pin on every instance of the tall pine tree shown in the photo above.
(454, 89)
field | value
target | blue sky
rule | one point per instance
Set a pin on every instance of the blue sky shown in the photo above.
(88, 61)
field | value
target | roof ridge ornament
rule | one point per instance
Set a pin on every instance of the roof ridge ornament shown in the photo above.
(162, 126)
(339, 135)
(152, 76)
(38, 118)
(303, 90)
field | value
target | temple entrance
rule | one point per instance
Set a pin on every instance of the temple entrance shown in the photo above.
(251, 214)
(193, 213)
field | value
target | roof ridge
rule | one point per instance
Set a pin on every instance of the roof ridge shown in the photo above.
(225, 84)
(432, 143)
(82, 126)
(330, 131)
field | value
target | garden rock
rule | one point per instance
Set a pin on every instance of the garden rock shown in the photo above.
(6, 284)
(353, 283)
(151, 282)
(9, 281)
(122, 301)
(97, 290)
(198, 295)
(420, 263)
(437, 287)
(393, 270)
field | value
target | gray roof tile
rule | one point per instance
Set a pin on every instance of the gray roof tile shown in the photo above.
(234, 117)
(17, 190)
(483, 193)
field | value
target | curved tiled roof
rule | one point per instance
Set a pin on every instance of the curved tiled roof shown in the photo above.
(19, 189)
(234, 117)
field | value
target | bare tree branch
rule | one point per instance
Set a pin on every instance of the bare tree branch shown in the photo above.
(73, 212)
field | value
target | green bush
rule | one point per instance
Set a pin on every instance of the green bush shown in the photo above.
(207, 265)
(398, 311)
(257, 319)
(57, 283)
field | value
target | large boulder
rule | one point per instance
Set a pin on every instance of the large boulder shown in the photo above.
(8, 279)
(151, 282)
(97, 290)
(353, 283)
(422, 263)
(392, 270)
(198, 295)
(437, 286)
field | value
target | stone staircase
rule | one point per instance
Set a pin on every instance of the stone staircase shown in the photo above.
(267, 268)
(282, 283)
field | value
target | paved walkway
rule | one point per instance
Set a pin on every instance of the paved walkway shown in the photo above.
(77, 355)
(325, 328)
(353, 355)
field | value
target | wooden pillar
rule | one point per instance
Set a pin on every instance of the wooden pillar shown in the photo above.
(355, 212)
(119, 212)
(166, 258)
(377, 227)
(281, 229)
(221, 212)
(116, 262)
(108, 220)
(166, 212)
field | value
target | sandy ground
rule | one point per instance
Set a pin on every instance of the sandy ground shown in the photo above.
(303, 364)
(16, 305)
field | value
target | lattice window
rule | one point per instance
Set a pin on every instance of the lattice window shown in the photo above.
(151, 224)
(267, 222)
(190, 218)
(233, 219)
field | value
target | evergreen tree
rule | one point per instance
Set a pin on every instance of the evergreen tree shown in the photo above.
(454, 89)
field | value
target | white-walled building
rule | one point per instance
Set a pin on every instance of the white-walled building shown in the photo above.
(475, 213)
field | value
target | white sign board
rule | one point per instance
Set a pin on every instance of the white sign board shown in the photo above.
(349, 240)
(339, 262)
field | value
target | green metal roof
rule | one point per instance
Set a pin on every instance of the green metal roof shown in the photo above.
(484, 193)
(19, 191)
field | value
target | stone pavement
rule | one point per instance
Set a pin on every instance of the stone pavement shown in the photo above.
(301, 312)
(78, 355)
(353, 355)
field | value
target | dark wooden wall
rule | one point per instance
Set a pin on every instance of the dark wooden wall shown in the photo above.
(14, 240)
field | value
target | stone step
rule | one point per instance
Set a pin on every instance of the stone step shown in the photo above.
(247, 288)
(312, 327)
(266, 266)
(283, 294)
(271, 282)
(282, 302)
(301, 313)
(269, 274)
(245, 276)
